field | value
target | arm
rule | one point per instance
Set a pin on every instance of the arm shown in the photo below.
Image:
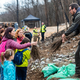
(74, 25)
(16, 45)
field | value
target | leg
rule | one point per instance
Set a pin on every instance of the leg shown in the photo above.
(24, 72)
(42, 36)
(38, 39)
(77, 59)
(19, 73)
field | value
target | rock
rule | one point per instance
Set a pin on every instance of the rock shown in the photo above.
(36, 64)
(37, 60)
(60, 59)
(74, 39)
(42, 59)
(47, 43)
(65, 60)
(42, 62)
(47, 60)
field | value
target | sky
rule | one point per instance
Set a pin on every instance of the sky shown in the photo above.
(2, 2)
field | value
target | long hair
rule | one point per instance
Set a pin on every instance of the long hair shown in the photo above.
(7, 35)
(16, 34)
(6, 55)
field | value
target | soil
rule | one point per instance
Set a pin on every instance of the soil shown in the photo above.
(66, 48)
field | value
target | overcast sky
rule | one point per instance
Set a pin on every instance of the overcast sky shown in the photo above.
(2, 2)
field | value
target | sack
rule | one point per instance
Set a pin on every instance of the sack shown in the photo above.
(2, 47)
(50, 69)
(19, 57)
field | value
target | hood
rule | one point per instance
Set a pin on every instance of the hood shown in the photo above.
(4, 39)
(78, 10)
(6, 63)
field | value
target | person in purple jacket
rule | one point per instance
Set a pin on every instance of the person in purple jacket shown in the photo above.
(11, 44)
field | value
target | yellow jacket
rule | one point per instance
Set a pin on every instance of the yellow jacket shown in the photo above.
(26, 57)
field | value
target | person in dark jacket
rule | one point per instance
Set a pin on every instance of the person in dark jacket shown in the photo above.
(74, 9)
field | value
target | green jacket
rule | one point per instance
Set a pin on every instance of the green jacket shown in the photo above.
(26, 56)
(43, 29)
(75, 27)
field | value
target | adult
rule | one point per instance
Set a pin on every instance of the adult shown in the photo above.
(74, 10)
(43, 30)
(19, 35)
(35, 34)
(11, 44)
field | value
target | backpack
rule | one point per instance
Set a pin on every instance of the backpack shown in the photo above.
(19, 57)
(2, 47)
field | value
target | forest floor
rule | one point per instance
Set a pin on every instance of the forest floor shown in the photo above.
(67, 50)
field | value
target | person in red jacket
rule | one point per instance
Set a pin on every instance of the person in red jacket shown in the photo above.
(19, 35)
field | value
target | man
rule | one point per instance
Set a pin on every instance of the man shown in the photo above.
(43, 30)
(74, 10)
(35, 35)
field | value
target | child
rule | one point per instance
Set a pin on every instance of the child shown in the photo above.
(21, 70)
(7, 65)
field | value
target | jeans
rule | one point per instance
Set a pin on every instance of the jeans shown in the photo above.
(21, 73)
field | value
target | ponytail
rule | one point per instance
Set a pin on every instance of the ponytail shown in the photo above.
(2, 57)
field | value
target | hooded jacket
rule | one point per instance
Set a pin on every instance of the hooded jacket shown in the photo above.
(11, 44)
(9, 70)
(75, 27)
(26, 57)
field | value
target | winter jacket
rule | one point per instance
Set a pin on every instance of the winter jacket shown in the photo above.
(26, 57)
(43, 29)
(19, 40)
(8, 70)
(75, 27)
(11, 44)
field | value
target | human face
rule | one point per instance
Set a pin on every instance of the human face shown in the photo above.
(13, 33)
(20, 33)
(72, 11)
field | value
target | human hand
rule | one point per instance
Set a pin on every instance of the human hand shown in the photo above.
(63, 37)
(33, 43)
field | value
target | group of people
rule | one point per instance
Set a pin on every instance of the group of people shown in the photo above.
(36, 34)
(12, 42)
(15, 41)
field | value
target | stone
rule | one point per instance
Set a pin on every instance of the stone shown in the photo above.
(42, 62)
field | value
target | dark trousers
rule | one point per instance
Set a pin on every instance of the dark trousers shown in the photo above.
(42, 35)
(21, 73)
(77, 59)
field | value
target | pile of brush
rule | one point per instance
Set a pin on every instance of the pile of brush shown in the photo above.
(56, 44)
(35, 52)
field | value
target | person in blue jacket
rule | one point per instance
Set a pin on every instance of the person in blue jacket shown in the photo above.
(7, 65)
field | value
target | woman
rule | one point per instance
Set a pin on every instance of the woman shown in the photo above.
(11, 44)
(19, 35)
